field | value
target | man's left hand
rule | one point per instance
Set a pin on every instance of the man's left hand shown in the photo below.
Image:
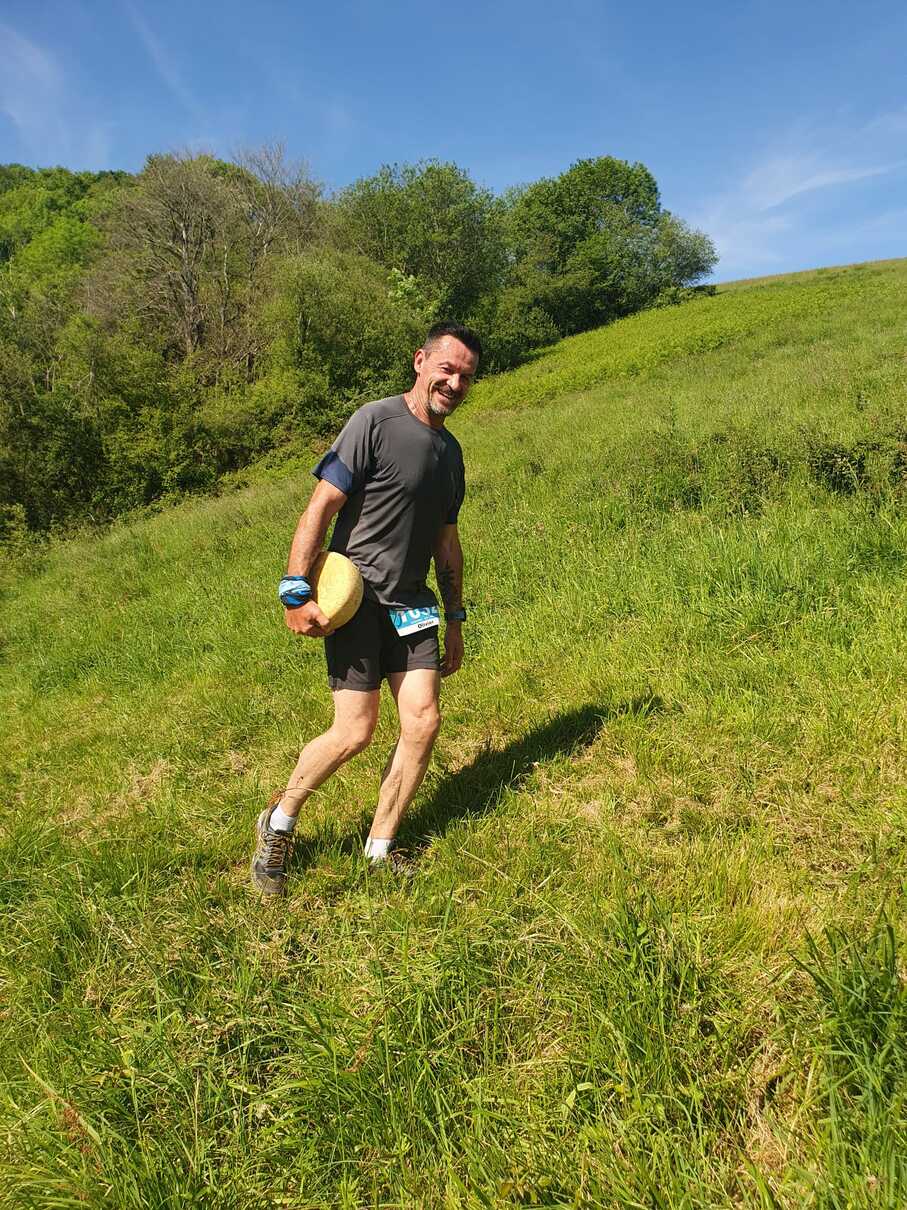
(453, 649)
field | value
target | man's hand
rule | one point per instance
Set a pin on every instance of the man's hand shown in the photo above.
(308, 620)
(453, 649)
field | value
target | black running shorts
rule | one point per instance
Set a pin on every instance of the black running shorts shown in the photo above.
(364, 651)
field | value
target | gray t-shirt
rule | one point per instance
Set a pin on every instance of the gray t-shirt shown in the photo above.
(404, 480)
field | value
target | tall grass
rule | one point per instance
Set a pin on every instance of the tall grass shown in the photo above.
(653, 952)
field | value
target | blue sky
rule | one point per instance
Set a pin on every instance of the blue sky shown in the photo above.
(778, 128)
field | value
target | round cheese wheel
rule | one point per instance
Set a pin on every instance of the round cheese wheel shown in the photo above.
(336, 587)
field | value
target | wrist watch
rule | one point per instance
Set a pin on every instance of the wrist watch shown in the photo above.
(455, 615)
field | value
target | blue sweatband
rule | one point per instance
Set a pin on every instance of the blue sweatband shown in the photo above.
(294, 591)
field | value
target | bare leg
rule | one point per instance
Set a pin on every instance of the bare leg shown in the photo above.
(355, 716)
(416, 694)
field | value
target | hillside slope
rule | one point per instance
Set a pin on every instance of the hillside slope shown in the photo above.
(652, 954)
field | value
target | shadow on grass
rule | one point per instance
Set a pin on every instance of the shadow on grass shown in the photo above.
(478, 787)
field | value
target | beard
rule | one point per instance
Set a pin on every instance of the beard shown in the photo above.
(439, 405)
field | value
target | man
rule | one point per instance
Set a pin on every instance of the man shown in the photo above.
(394, 479)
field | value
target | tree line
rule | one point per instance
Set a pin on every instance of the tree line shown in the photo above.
(161, 329)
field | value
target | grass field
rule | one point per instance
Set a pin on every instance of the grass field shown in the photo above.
(653, 954)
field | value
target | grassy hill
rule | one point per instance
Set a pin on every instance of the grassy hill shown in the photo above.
(653, 953)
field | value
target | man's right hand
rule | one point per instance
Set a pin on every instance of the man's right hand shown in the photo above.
(308, 620)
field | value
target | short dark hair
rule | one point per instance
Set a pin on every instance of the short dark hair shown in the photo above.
(459, 332)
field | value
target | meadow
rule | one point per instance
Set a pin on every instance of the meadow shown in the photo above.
(653, 951)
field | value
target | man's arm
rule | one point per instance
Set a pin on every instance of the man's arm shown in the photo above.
(449, 574)
(308, 540)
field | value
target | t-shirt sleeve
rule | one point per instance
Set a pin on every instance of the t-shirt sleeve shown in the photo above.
(459, 493)
(347, 462)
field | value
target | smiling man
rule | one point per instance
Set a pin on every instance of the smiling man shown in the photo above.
(394, 479)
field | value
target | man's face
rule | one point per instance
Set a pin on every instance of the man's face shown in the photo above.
(444, 374)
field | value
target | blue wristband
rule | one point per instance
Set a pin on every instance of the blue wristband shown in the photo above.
(294, 591)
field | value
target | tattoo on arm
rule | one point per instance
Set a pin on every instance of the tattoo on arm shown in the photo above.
(451, 586)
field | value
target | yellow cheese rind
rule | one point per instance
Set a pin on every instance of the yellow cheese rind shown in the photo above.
(336, 587)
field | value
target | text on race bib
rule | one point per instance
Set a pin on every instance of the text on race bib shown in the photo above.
(408, 621)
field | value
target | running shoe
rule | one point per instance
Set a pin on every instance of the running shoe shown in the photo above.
(397, 864)
(272, 855)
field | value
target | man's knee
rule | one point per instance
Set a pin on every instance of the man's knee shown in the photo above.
(355, 737)
(355, 719)
(421, 726)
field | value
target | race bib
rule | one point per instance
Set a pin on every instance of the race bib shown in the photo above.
(408, 621)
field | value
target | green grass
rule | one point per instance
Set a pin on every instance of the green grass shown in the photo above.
(653, 954)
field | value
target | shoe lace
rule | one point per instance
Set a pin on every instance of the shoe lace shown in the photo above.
(276, 848)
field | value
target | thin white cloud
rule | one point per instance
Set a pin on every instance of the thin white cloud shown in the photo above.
(776, 180)
(770, 214)
(743, 239)
(35, 96)
(888, 124)
(162, 60)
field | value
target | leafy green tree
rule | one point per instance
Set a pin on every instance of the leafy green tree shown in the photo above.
(166, 232)
(12, 175)
(511, 324)
(46, 243)
(548, 220)
(158, 330)
(335, 321)
(32, 200)
(431, 222)
(594, 244)
(50, 456)
(339, 330)
(684, 256)
(190, 246)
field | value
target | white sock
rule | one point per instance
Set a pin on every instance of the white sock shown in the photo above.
(281, 821)
(377, 850)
